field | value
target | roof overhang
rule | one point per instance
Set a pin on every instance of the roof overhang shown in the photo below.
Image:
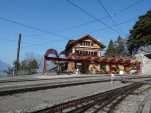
(74, 42)
(148, 55)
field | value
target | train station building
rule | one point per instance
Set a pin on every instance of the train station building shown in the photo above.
(84, 48)
(84, 55)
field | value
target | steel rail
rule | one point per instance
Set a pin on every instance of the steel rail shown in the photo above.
(113, 96)
(44, 86)
(82, 105)
(11, 79)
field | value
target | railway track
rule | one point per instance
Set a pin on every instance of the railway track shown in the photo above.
(43, 86)
(145, 102)
(99, 103)
(11, 79)
(13, 88)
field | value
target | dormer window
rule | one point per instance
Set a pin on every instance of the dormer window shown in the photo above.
(85, 43)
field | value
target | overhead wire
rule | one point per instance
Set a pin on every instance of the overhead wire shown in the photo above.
(108, 13)
(103, 28)
(91, 16)
(72, 27)
(120, 11)
(136, 2)
(31, 27)
(118, 24)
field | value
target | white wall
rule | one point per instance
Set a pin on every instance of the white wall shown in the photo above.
(146, 63)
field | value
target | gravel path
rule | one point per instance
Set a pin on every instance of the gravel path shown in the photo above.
(19, 103)
(134, 102)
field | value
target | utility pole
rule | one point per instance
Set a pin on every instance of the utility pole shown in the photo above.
(18, 53)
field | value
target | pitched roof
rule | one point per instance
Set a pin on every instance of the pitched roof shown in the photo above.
(73, 42)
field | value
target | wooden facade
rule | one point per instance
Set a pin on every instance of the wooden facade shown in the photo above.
(83, 47)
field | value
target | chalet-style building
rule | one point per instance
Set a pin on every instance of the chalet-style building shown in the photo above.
(80, 48)
(84, 55)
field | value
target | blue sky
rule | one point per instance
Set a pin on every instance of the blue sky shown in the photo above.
(64, 21)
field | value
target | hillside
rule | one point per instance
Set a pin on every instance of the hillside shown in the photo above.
(3, 66)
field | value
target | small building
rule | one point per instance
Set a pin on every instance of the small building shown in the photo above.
(80, 48)
(143, 54)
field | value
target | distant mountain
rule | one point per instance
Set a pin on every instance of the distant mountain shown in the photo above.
(3, 66)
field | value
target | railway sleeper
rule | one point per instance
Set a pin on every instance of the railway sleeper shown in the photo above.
(101, 99)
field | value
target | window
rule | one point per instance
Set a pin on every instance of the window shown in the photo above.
(95, 53)
(88, 43)
(85, 43)
(86, 52)
(81, 43)
(80, 52)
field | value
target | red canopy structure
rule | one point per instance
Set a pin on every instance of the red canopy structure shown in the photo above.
(125, 61)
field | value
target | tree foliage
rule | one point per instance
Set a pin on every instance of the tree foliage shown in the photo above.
(140, 35)
(110, 49)
(117, 48)
(30, 65)
(26, 66)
